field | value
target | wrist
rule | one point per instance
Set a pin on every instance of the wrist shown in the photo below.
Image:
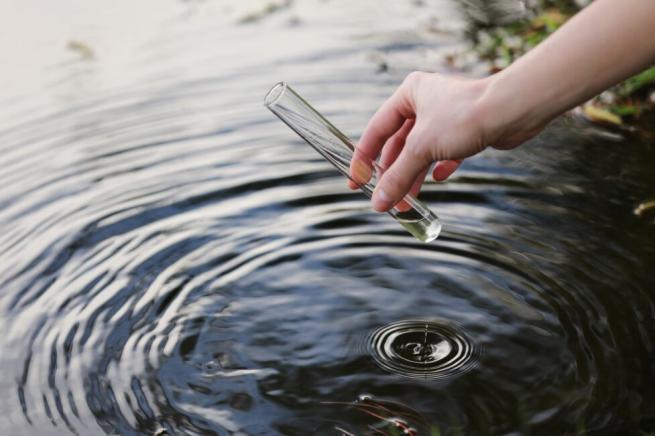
(508, 110)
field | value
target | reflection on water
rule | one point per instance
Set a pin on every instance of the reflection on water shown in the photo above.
(173, 262)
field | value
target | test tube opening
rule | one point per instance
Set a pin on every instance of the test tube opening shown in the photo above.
(275, 93)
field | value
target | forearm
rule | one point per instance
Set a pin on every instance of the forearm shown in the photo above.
(604, 44)
(453, 118)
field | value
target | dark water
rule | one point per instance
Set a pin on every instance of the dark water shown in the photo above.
(173, 260)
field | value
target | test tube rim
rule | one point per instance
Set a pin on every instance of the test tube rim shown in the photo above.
(275, 94)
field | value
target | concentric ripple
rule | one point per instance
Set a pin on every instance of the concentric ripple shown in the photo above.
(422, 349)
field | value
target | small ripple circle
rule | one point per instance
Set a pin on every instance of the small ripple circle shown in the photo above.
(422, 349)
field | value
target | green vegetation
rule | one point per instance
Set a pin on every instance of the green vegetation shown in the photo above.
(499, 45)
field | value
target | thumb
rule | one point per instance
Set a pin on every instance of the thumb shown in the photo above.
(398, 179)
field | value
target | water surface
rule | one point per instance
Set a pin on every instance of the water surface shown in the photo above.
(173, 260)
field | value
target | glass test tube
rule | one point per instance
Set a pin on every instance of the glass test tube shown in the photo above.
(334, 146)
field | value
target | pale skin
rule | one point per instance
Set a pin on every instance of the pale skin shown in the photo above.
(433, 118)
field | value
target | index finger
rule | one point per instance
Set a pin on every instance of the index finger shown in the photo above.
(386, 121)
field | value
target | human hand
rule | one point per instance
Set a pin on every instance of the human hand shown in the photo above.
(432, 118)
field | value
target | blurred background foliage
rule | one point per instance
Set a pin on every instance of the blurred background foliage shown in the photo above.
(501, 32)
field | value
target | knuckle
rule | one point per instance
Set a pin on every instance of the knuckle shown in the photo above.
(393, 182)
(416, 149)
(417, 155)
(441, 153)
(413, 78)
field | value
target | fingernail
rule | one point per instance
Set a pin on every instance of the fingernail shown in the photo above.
(403, 206)
(361, 172)
(381, 200)
(383, 196)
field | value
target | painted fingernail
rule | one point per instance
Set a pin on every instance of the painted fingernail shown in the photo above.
(403, 206)
(361, 172)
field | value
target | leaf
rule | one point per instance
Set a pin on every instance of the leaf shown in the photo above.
(535, 37)
(266, 10)
(599, 115)
(644, 207)
(551, 20)
(83, 49)
(637, 82)
(626, 110)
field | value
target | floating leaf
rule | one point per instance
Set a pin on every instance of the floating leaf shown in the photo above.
(83, 49)
(644, 207)
(637, 82)
(599, 115)
(268, 9)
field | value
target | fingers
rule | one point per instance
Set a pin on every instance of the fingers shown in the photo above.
(416, 187)
(396, 182)
(402, 205)
(443, 169)
(386, 122)
(361, 170)
(395, 144)
(360, 173)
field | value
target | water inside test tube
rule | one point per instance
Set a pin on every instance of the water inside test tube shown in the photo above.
(422, 228)
(417, 219)
(423, 225)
